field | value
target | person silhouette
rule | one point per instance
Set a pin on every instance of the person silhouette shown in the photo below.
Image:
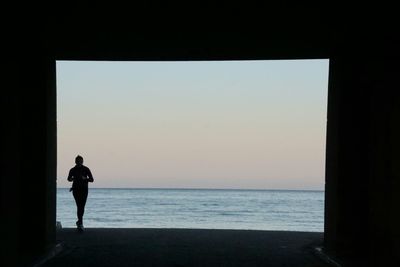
(80, 176)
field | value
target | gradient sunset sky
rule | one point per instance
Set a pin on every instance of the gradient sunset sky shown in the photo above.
(205, 124)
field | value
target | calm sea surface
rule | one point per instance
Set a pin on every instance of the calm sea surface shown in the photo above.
(197, 208)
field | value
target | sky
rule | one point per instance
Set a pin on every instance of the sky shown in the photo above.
(205, 124)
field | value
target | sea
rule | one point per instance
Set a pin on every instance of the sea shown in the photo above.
(286, 210)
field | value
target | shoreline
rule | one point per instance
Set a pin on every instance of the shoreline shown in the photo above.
(192, 229)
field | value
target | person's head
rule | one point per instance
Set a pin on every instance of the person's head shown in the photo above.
(79, 160)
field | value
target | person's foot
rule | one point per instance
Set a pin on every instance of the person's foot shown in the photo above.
(79, 224)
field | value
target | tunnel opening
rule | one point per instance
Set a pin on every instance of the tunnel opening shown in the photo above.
(158, 134)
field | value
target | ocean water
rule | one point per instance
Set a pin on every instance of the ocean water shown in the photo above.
(197, 208)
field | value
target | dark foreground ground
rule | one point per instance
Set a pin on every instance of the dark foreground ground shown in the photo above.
(185, 247)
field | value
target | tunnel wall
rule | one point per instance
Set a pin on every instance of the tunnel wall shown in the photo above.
(28, 184)
(362, 165)
(362, 159)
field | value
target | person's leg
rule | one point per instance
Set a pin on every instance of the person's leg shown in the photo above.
(82, 203)
(77, 197)
(80, 196)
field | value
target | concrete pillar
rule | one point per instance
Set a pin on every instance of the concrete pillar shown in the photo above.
(384, 200)
(29, 173)
(347, 158)
(362, 173)
(10, 167)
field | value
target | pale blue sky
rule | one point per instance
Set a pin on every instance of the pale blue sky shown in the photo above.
(205, 124)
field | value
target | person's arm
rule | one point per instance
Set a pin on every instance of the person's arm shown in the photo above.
(90, 176)
(70, 177)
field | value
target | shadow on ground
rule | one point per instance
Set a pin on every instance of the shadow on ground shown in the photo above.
(185, 247)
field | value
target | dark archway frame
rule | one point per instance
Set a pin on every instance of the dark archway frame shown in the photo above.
(362, 159)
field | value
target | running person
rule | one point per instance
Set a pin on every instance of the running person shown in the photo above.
(80, 175)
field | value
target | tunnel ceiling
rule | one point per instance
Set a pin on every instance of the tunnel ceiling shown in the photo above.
(162, 32)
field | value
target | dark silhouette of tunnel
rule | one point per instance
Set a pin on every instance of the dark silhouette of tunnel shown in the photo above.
(363, 130)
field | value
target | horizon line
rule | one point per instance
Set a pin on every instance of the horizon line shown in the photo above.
(200, 188)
